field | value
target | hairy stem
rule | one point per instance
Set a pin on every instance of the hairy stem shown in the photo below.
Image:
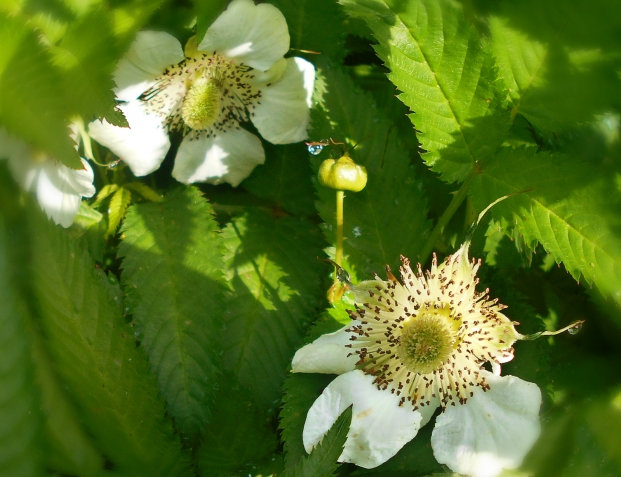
(338, 256)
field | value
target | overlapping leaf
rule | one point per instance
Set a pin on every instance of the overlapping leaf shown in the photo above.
(571, 210)
(447, 78)
(388, 217)
(172, 272)
(96, 356)
(277, 289)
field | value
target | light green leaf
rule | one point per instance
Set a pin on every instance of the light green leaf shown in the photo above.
(31, 103)
(173, 276)
(90, 227)
(87, 56)
(117, 208)
(322, 460)
(551, 55)
(96, 356)
(131, 15)
(238, 435)
(104, 193)
(447, 78)
(572, 210)
(206, 13)
(144, 190)
(277, 289)
(388, 217)
(285, 178)
(20, 416)
(315, 25)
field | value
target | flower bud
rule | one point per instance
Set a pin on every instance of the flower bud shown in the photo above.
(342, 174)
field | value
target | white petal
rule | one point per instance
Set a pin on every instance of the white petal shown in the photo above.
(327, 354)
(22, 165)
(255, 35)
(60, 190)
(282, 113)
(379, 427)
(493, 431)
(229, 157)
(148, 56)
(143, 146)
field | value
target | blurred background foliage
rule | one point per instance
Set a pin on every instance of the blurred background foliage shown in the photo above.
(153, 337)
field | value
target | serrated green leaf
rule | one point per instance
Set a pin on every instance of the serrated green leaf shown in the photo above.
(388, 217)
(87, 56)
(277, 289)
(96, 356)
(447, 78)
(20, 416)
(104, 193)
(551, 54)
(173, 276)
(315, 25)
(130, 15)
(144, 190)
(322, 460)
(31, 103)
(285, 178)
(90, 227)
(238, 436)
(206, 13)
(117, 208)
(572, 211)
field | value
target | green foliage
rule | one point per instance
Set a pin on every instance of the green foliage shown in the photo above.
(306, 17)
(172, 273)
(276, 290)
(95, 355)
(322, 460)
(569, 208)
(20, 415)
(388, 217)
(446, 76)
(116, 210)
(206, 12)
(31, 103)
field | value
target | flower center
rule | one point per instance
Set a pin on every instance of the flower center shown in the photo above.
(201, 105)
(426, 343)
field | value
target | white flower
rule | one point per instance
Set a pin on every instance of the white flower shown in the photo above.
(414, 346)
(237, 73)
(58, 188)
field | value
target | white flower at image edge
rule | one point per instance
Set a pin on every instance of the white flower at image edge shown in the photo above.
(414, 346)
(236, 74)
(59, 189)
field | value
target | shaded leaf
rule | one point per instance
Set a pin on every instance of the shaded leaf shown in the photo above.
(172, 273)
(276, 282)
(206, 13)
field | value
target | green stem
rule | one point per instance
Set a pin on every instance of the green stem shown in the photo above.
(457, 200)
(338, 256)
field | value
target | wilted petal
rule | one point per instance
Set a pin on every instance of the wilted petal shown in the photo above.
(493, 431)
(143, 146)
(283, 113)
(255, 35)
(229, 157)
(148, 57)
(327, 355)
(379, 427)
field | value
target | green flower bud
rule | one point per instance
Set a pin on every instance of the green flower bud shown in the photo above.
(342, 174)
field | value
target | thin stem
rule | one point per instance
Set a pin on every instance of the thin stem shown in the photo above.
(338, 256)
(574, 328)
(458, 198)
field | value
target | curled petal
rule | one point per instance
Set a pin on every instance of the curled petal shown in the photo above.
(229, 157)
(147, 58)
(493, 431)
(282, 113)
(143, 146)
(379, 427)
(327, 355)
(255, 35)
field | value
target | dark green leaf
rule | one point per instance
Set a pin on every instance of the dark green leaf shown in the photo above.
(388, 217)
(322, 460)
(447, 78)
(277, 289)
(96, 356)
(172, 273)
